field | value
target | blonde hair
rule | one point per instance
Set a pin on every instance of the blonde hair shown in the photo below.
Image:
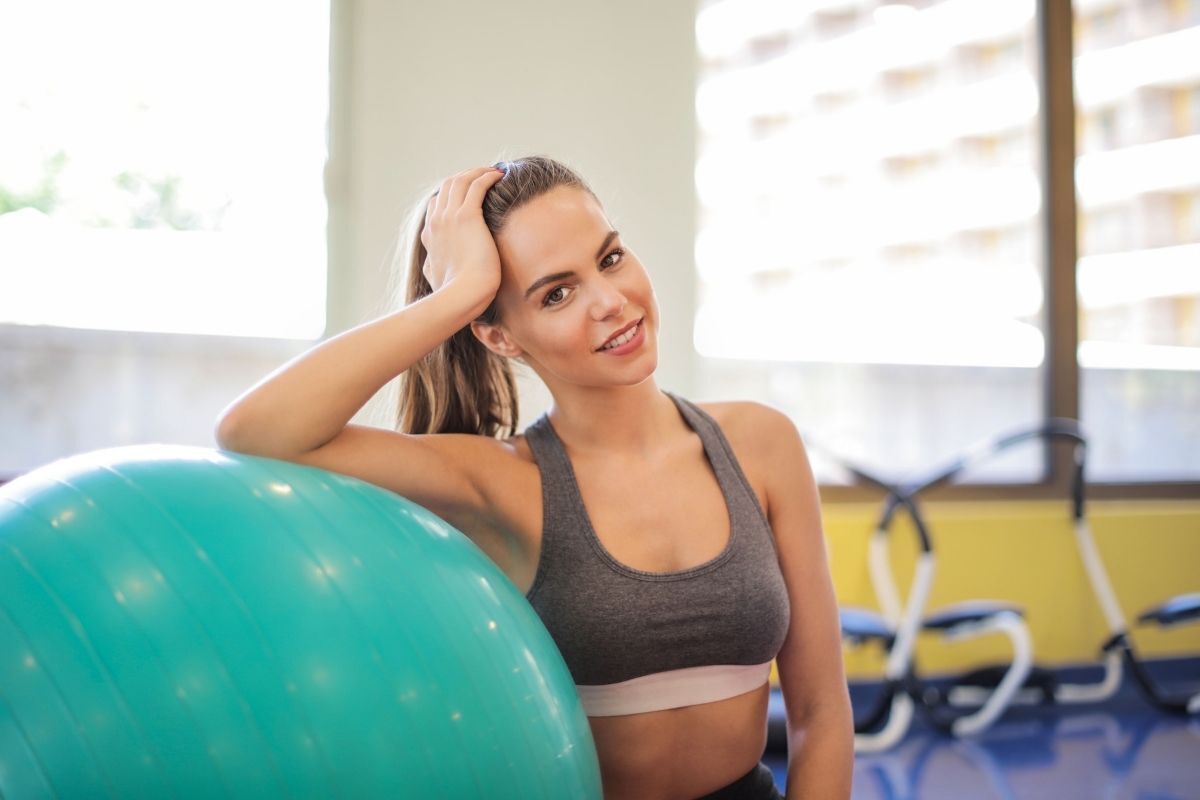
(461, 386)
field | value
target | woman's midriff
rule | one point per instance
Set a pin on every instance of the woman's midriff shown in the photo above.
(681, 752)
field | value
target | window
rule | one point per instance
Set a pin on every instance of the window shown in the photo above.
(903, 231)
(886, 290)
(1138, 179)
(162, 214)
(158, 154)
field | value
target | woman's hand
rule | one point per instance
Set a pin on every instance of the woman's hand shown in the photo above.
(459, 247)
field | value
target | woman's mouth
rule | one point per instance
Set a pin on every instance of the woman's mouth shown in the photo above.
(626, 342)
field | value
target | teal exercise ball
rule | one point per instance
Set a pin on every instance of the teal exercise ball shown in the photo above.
(183, 621)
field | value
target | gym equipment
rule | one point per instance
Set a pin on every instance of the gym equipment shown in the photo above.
(186, 621)
(897, 627)
(1042, 685)
(996, 686)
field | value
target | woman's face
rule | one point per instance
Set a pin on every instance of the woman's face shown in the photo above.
(568, 284)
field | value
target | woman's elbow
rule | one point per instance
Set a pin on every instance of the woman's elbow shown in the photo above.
(230, 434)
(830, 713)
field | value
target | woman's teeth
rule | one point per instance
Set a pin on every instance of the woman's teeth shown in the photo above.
(623, 338)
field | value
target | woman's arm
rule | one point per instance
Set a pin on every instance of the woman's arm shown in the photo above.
(308, 401)
(820, 720)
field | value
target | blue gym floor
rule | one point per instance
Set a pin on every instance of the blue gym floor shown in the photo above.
(1122, 748)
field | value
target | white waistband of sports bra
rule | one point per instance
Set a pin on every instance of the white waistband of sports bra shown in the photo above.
(673, 689)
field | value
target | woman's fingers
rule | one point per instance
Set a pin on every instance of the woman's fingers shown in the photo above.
(452, 193)
(457, 242)
(453, 190)
(442, 195)
(479, 187)
(462, 181)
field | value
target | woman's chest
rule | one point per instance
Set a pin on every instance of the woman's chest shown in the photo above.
(665, 518)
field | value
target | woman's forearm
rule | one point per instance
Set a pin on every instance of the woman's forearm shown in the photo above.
(821, 755)
(310, 399)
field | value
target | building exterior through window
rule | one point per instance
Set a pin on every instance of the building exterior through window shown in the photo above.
(869, 248)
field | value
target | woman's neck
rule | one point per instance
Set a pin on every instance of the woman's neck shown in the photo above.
(636, 421)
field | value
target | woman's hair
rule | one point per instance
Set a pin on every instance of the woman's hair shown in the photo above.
(461, 386)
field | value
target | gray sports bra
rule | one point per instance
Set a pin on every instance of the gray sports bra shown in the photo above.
(639, 641)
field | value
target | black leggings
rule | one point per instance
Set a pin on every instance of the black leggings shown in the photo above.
(757, 784)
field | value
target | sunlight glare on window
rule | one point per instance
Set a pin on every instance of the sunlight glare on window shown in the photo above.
(860, 210)
(868, 244)
(162, 167)
(1137, 173)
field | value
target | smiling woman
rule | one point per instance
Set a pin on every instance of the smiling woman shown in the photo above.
(672, 549)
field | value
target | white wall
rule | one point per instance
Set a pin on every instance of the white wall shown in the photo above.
(423, 90)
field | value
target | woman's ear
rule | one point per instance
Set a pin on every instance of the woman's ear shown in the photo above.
(496, 339)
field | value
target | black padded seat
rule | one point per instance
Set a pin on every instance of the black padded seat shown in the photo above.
(864, 624)
(1184, 608)
(1041, 678)
(968, 612)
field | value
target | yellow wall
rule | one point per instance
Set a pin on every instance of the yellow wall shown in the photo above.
(1025, 553)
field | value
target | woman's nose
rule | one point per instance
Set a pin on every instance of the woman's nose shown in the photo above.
(607, 301)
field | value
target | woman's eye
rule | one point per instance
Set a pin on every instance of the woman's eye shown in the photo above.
(618, 253)
(558, 294)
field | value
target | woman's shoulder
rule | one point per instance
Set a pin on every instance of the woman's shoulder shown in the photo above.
(755, 432)
(496, 466)
(516, 447)
(487, 454)
(749, 421)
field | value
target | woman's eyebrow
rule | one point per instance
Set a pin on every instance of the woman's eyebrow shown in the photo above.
(604, 244)
(558, 276)
(542, 281)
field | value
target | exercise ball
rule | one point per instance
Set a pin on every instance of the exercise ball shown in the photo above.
(183, 621)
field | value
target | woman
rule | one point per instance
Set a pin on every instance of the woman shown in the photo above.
(672, 549)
